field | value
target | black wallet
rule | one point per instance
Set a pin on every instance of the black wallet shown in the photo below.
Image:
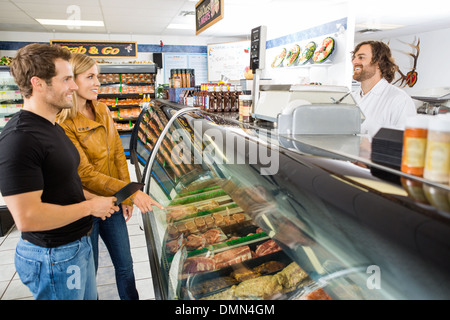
(127, 191)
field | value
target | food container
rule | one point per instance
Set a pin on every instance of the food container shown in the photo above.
(415, 145)
(437, 157)
(245, 106)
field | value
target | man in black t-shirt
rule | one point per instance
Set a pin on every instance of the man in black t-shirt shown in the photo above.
(40, 183)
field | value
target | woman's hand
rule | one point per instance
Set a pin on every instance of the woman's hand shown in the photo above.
(127, 211)
(144, 202)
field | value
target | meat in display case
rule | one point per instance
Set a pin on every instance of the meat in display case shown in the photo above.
(246, 218)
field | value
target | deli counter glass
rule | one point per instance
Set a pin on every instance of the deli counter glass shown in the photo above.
(247, 216)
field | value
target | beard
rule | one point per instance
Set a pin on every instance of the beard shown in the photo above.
(58, 101)
(365, 73)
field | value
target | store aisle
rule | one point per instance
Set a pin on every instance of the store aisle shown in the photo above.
(11, 288)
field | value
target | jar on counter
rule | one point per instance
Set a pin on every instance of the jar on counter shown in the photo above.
(245, 106)
(437, 157)
(177, 79)
(415, 145)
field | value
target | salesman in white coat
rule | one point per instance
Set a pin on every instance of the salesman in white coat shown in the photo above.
(383, 104)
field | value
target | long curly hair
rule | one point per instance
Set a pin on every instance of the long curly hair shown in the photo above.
(381, 55)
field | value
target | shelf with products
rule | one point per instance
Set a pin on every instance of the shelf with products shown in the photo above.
(125, 89)
(257, 220)
(11, 100)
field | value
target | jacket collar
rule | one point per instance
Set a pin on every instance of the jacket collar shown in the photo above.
(84, 124)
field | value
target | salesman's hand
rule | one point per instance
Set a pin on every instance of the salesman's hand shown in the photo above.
(144, 202)
(103, 207)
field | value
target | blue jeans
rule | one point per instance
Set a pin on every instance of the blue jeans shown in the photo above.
(114, 234)
(63, 273)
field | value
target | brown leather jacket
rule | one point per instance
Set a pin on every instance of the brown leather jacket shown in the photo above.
(103, 166)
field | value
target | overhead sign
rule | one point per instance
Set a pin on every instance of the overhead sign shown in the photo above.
(207, 13)
(100, 49)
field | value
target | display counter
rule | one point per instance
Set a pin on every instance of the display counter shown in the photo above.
(253, 215)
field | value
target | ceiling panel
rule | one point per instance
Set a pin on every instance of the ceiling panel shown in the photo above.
(130, 16)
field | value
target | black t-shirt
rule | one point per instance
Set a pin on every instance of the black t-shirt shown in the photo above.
(37, 155)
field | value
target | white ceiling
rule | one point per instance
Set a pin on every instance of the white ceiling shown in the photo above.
(151, 17)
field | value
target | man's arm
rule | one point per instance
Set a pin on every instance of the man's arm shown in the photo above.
(31, 214)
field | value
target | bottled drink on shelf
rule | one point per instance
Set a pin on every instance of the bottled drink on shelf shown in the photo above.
(234, 100)
(226, 98)
(218, 98)
(183, 78)
(192, 77)
(177, 79)
(209, 98)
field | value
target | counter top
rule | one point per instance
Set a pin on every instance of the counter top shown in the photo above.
(353, 148)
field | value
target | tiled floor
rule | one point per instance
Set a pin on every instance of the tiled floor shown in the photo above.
(12, 288)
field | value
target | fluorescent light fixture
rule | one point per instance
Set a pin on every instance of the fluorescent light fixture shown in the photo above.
(381, 26)
(70, 22)
(181, 26)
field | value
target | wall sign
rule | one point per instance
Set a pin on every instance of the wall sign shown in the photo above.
(207, 13)
(100, 49)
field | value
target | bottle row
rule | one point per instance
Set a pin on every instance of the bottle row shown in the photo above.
(217, 97)
(426, 147)
(182, 78)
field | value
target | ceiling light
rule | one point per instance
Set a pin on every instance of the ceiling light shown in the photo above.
(187, 13)
(181, 26)
(373, 26)
(74, 23)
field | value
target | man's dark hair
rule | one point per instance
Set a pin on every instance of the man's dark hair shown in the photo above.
(381, 54)
(36, 60)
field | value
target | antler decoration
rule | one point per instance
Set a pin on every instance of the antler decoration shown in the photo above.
(410, 78)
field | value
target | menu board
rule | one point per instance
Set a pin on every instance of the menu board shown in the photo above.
(228, 59)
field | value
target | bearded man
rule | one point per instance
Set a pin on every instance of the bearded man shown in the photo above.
(383, 104)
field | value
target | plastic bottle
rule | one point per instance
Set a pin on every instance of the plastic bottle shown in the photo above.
(177, 79)
(209, 98)
(188, 78)
(192, 77)
(437, 157)
(226, 98)
(171, 80)
(233, 99)
(415, 145)
(245, 105)
(218, 97)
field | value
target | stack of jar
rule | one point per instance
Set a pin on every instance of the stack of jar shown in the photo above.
(426, 153)
(182, 78)
(214, 97)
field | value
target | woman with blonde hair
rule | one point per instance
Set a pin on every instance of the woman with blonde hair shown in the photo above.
(103, 169)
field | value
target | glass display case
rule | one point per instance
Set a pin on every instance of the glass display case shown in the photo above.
(254, 215)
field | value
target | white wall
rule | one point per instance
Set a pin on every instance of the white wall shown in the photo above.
(300, 19)
(433, 64)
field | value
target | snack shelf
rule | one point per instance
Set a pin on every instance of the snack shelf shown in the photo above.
(116, 80)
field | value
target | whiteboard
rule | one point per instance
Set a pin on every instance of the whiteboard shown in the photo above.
(228, 59)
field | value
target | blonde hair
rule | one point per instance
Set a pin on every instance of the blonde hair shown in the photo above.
(80, 63)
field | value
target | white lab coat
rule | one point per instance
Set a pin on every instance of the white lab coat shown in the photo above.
(384, 106)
